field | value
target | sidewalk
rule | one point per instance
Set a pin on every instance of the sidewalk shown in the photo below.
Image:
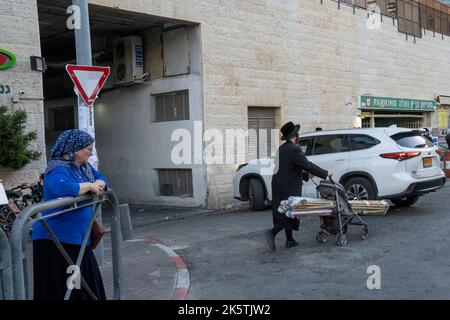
(147, 272)
(151, 270)
(142, 216)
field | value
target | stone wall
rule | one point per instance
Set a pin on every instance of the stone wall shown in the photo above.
(19, 31)
(312, 59)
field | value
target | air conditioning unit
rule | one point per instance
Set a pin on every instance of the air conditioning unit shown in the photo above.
(128, 64)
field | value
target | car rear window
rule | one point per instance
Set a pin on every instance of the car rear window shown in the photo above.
(361, 142)
(412, 140)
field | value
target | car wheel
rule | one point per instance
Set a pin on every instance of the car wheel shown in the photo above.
(256, 195)
(405, 202)
(360, 189)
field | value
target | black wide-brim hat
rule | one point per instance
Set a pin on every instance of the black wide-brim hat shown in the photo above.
(289, 130)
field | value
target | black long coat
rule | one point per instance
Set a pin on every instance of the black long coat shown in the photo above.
(288, 179)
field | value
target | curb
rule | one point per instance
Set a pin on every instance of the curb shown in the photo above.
(183, 281)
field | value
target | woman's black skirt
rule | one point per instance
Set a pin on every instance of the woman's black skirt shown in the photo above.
(50, 272)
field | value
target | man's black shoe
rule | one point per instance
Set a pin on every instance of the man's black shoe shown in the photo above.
(270, 239)
(291, 243)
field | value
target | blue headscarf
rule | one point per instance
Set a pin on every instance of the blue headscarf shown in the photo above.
(68, 143)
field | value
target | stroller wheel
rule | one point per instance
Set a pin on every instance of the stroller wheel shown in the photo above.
(342, 240)
(322, 237)
(365, 234)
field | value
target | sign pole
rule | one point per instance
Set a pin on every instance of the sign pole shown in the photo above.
(85, 113)
(84, 57)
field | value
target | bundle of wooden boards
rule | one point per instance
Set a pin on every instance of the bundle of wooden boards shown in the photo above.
(360, 207)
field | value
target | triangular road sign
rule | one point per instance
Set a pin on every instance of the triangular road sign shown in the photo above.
(88, 80)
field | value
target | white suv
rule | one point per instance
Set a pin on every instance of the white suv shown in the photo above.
(372, 163)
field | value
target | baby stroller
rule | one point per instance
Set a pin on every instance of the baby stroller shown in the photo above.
(342, 214)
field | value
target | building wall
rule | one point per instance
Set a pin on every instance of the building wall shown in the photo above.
(131, 147)
(312, 59)
(20, 36)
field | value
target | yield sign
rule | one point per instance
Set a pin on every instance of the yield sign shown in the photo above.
(88, 80)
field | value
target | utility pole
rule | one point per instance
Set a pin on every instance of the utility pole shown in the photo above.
(86, 113)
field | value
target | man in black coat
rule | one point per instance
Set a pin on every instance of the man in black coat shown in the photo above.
(287, 182)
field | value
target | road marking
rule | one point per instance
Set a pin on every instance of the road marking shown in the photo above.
(183, 281)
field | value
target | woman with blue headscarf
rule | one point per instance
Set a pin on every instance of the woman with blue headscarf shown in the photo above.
(68, 174)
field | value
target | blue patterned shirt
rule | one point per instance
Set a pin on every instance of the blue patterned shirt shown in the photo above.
(69, 227)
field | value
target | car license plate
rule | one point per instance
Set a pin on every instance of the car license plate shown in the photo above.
(427, 162)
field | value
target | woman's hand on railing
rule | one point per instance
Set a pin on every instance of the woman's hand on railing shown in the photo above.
(90, 188)
(95, 189)
(101, 184)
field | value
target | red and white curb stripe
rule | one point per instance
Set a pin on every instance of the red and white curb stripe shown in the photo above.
(183, 281)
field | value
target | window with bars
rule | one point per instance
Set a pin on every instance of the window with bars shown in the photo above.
(406, 122)
(172, 106)
(261, 120)
(357, 3)
(387, 7)
(175, 182)
(62, 118)
(412, 123)
(435, 16)
(365, 123)
(412, 15)
(408, 15)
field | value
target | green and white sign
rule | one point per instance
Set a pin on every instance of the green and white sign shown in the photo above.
(384, 103)
(7, 59)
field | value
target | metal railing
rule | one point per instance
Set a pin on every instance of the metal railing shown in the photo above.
(6, 284)
(30, 215)
(415, 17)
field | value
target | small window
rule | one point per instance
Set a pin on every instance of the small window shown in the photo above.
(360, 142)
(304, 144)
(62, 118)
(173, 106)
(330, 144)
(175, 182)
(412, 139)
(261, 122)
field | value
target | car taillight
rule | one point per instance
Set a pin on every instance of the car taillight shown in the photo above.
(400, 155)
(438, 151)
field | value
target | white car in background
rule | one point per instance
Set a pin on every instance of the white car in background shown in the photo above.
(392, 163)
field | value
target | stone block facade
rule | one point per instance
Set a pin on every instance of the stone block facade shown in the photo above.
(20, 35)
(311, 59)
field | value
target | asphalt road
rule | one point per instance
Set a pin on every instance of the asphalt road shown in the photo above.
(228, 257)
